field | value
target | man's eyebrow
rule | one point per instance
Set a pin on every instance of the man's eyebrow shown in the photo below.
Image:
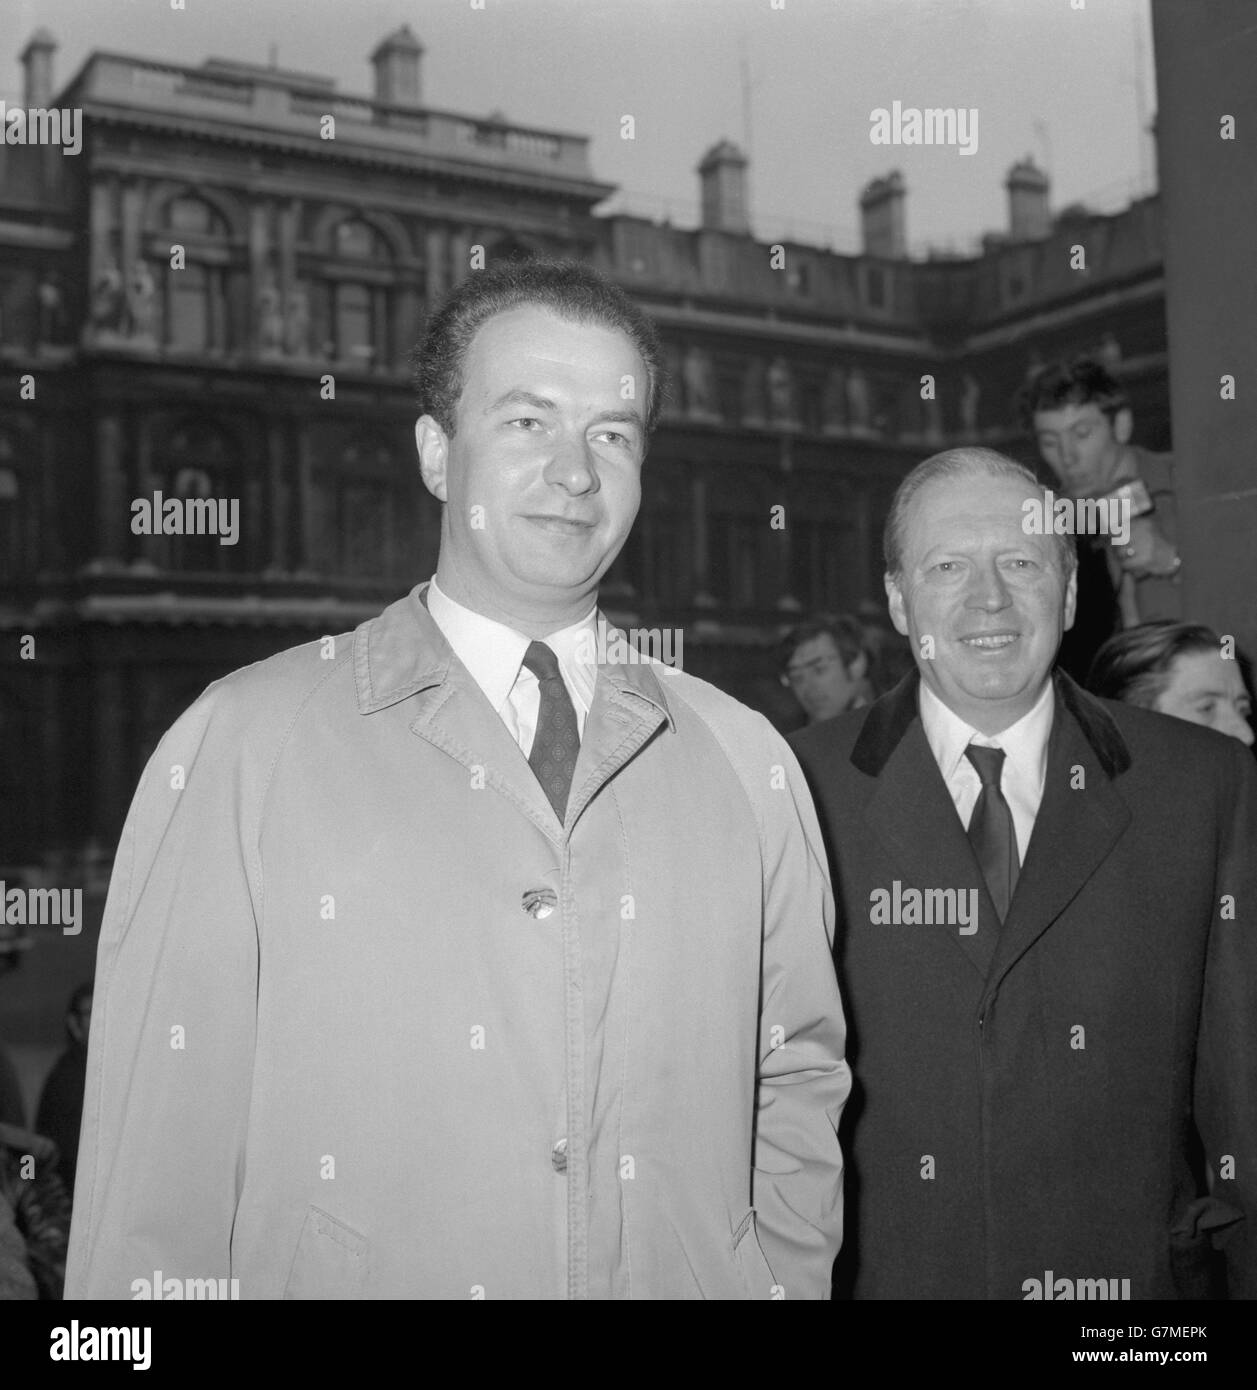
(620, 417)
(519, 397)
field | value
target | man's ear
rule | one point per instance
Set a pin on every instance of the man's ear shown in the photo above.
(1123, 425)
(1071, 599)
(434, 449)
(898, 610)
(859, 668)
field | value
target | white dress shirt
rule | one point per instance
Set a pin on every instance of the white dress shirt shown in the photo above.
(1025, 746)
(493, 653)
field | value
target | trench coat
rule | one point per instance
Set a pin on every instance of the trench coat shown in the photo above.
(369, 1022)
(1073, 1092)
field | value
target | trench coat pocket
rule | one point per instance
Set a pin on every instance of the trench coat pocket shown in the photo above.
(330, 1260)
(752, 1265)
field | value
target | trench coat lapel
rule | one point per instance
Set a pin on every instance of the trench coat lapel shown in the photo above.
(403, 655)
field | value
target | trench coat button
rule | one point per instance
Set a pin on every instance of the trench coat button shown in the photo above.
(539, 902)
(558, 1156)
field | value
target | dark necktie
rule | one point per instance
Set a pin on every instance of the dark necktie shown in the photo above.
(991, 830)
(557, 740)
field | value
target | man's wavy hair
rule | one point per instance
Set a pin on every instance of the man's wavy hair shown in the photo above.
(1084, 381)
(570, 289)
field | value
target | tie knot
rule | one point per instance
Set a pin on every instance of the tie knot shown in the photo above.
(988, 762)
(541, 661)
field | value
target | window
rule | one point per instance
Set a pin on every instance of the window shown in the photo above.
(357, 513)
(359, 280)
(196, 459)
(875, 286)
(355, 323)
(189, 308)
(194, 295)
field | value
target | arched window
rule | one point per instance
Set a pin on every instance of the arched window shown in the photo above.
(195, 318)
(199, 462)
(360, 301)
(357, 511)
(12, 540)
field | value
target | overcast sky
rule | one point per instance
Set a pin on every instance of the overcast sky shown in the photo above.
(1062, 84)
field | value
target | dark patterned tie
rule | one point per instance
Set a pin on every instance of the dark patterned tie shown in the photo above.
(991, 830)
(557, 740)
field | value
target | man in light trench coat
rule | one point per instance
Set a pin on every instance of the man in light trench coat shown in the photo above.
(466, 955)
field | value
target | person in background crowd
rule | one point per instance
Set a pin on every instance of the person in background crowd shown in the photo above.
(12, 1107)
(61, 1105)
(1182, 669)
(1082, 424)
(16, 1280)
(890, 656)
(825, 664)
(31, 1187)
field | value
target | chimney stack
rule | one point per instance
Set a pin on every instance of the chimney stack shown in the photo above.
(396, 63)
(37, 60)
(1028, 216)
(882, 217)
(722, 180)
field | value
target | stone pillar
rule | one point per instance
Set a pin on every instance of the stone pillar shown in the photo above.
(1206, 56)
(700, 557)
(113, 511)
(437, 239)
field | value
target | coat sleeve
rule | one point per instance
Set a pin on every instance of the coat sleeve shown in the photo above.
(1226, 1052)
(803, 1076)
(171, 1045)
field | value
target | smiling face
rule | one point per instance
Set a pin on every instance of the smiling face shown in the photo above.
(1083, 447)
(542, 475)
(1206, 689)
(983, 603)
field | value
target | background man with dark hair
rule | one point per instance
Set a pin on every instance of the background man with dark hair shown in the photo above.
(825, 666)
(1083, 426)
(1035, 1074)
(60, 1113)
(474, 959)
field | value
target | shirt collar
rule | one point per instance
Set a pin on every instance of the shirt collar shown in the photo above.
(493, 652)
(1024, 743)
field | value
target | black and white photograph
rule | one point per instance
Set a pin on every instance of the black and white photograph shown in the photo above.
(626, 636)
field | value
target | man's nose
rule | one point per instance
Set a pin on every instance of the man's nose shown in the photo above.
(1234, 723)
(572, 465)
(987, 589)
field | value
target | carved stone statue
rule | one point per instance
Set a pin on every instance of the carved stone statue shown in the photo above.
(858, 400)
(700, 384)
(781, 392)
(932, 420)
(753, 385)
(297, 322)
(142, 301)
(970, 396)
(834, 401)
(270, 317)
(51, 310)
(108, 300)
